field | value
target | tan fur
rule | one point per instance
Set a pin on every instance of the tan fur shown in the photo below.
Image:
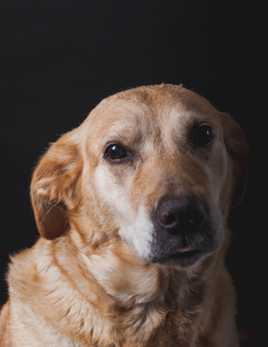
(87, 281)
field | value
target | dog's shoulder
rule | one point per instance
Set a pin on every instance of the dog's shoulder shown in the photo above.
(18, 274)
(4, 324)
(24, 269)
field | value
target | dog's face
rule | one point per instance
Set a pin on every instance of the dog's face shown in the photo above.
(153, 168)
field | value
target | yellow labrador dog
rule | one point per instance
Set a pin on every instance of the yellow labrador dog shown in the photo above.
(132, 208)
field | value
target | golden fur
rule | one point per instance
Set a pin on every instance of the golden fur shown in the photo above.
(83, 284)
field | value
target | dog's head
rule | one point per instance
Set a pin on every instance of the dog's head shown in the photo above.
(154, 168)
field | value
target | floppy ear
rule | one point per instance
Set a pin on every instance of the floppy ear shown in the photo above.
(54, 187)
(238, 150)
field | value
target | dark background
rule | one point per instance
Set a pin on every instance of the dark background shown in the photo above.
(59, 58)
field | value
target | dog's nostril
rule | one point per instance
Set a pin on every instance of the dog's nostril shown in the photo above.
(168, 218)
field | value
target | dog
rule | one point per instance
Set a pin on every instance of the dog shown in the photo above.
(132, 209)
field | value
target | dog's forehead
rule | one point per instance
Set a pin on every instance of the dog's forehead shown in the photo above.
(147, 108)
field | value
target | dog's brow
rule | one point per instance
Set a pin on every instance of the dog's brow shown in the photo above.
(125, 130)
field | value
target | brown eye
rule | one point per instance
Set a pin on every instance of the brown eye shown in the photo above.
(201, 135)
(116, 152)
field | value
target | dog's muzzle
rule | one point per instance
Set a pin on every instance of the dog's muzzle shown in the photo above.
(183, 230)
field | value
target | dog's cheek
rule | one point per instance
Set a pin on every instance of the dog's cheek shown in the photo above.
(113, 195)
(216, 171)
(217, 221)
(135, 227)
(139, 234)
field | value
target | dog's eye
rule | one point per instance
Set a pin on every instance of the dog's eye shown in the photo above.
(201, 135)
(116, 152)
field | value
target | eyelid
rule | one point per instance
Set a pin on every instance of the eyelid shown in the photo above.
(203, 122)
(116, 142)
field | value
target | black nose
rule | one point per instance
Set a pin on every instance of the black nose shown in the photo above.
(175, 214)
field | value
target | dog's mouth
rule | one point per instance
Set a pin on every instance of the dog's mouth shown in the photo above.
(184, 232)
(184, 257)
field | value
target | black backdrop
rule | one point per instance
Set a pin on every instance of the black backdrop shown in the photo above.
(59, 58)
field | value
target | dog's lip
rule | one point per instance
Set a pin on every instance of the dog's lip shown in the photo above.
(186, 252)
(184, 256)
(185, 249)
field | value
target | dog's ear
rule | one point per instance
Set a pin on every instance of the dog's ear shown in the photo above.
(238, 150)
(54, 187)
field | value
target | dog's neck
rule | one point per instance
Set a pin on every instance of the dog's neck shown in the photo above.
(107, 295)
